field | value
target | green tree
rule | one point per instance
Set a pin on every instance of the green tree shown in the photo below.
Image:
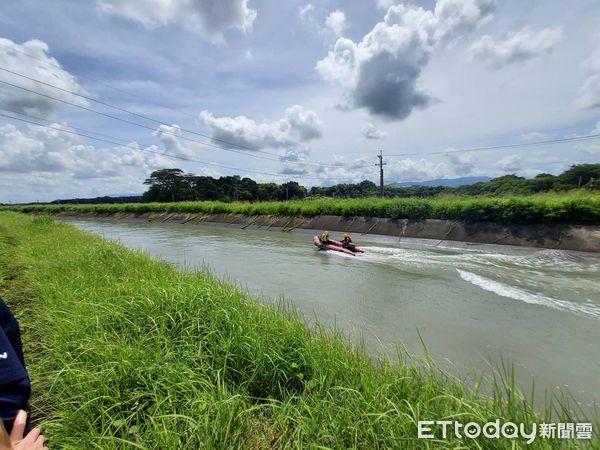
(166, 185)
(292, 190)
(580, 174)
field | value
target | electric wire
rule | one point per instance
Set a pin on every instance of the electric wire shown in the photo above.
(142, 116)
(114, 141)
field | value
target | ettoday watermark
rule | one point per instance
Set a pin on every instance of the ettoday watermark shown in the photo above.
(432, 429)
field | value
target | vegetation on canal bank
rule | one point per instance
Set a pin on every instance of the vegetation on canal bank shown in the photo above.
(128, 352)
(574, 208)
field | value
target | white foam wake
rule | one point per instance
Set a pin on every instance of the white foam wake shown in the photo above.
(535, 299)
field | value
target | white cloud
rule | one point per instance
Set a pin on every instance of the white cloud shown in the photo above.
(454, 165)
(298, 126)
(295, 154)
(31, 59)
(589, 93)
(533, 136)
(170, 136)
(295, 169)
(591, 148)
(422, 169)
(209, 19)
(381, 72)
(408, 169)
(455, 18)
(384, 4)
(306, 11)
(336, 22)
(510, 163)
(370, 131)
(461, 163)
(54, 150)
(516, 47)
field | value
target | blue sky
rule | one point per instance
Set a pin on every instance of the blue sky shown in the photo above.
(298, 90)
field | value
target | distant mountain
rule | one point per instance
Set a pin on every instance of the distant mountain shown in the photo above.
(450, 182)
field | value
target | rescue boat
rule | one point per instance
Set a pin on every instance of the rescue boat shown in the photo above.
(337, 246)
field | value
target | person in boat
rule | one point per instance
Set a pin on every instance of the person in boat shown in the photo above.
(325, 238)
(347, 242)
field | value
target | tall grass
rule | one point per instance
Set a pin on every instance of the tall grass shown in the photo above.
(572, 208)
(128, 352)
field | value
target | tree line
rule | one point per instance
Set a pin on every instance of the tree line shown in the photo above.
(173, 185)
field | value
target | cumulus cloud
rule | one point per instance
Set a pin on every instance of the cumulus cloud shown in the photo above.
(306, 11)
(510, 163)
(461, 163)
(208, 18)
(415, 170)
(533, 136)
(295, 154)
(381, 72)
(591, 148)
(298, 126)
(516, 47)
(170, 137)
(31, 59)
(336, 22)
(453, 165)
(589, 93)
(53, 150)
(384, 4)
(342, 170)
(370, 131)
(295, 169)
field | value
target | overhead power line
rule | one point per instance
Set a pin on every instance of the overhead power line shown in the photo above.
(129, 122)
(440, 152)
(144, 117)
(96, 80)
(114, 141)
(78, 129)
(499, 147)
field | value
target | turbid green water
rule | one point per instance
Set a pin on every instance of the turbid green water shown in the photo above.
(539, 309)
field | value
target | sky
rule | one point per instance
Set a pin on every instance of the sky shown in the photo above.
(95, 95)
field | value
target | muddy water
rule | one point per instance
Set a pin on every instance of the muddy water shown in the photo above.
(471, 304)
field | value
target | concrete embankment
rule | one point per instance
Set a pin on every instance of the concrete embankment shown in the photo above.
(564, 237)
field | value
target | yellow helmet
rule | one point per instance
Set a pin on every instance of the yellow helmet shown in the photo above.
(346, 235)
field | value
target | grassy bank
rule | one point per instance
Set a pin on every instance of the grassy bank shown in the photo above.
(574, 208)
(127, 352)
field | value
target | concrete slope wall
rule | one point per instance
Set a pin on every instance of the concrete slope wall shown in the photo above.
(565, 237)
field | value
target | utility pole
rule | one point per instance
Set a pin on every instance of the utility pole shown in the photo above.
(381, 164)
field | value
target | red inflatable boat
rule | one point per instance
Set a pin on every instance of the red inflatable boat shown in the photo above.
(337, 246)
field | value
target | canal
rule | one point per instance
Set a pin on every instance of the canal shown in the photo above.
(471, 305)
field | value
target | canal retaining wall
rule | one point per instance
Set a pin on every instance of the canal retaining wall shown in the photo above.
(564, 237)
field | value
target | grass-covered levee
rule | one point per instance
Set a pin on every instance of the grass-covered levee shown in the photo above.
(128, 352)
(576, 208)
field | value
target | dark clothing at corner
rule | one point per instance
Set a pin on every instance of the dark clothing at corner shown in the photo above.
(15, 387)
